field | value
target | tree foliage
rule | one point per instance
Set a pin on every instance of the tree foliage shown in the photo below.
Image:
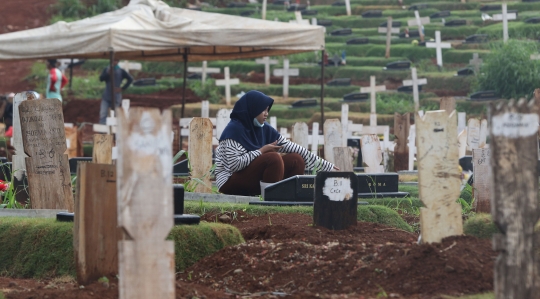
(509, 70)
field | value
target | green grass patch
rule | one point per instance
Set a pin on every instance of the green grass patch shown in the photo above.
(480, 225)
(42, 248)
(370, 213)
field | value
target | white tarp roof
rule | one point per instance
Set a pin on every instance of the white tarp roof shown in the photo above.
(151, 30)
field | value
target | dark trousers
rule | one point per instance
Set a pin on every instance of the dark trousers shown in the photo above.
(269, 168)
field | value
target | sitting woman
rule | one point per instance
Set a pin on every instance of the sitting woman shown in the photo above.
(249, 150)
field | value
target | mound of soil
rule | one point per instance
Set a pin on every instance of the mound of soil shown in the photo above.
(286, 255)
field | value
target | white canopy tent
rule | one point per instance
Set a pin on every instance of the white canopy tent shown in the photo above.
(152, 30)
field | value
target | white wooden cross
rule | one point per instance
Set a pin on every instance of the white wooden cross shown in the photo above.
(205, 109)
(301, 134)
(462, 121)
(475, 62)
(263, 12)
(345, 123)
(298, 19)
(473, 134)
(389, 29)
(273, 122)
(127, 66)
(418, 21)
(411, 142)
(373, 90)
(227, 82)
(504, 17)
(348, 7)
(315, 138)
(415, 82)
(267, 62)
(204, 70)
(223, 117)
(285, 72)
(439, 46)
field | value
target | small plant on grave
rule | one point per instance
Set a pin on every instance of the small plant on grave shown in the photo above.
(192, 183)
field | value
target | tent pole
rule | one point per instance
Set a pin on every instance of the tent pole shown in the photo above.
(322, 89)
(70, 73)
(111, 78)
(183, 94)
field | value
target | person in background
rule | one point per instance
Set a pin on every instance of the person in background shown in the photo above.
(55, 81)
(106, 101)
(249, 151)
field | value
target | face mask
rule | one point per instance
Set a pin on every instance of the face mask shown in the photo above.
(257, 124)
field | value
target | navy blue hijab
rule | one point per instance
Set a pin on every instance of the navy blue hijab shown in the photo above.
(241, 128)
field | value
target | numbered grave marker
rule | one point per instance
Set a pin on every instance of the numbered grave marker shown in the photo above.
(102, 150)
(402, 124)
(372, 154)
(439, 178)
(336, 200)
(44, 141)
(301, 134)
(332, 138)
(200, 152)
(482, 180)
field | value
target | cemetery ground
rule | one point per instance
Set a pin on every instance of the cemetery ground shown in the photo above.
(283, 254)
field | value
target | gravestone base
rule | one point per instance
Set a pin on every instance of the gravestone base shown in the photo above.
(398, 194)
(290, 203)
(186, 219)
(65, 217)
(336, 200)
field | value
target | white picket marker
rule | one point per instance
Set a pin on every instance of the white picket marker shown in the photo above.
(205, 109)
(315, 138)
(372, 154)
(332, 138)
(373, 90)
(273, 122)
(476, 62)
(348, 7)
(263, 12)
(412, 146)
(227, 82)
(438, 45)
(285, 73)
(345, 123)
(298, 18)
(267, 62)
(125, 105)
(223, 118)
(204, 70)
(301, 134)
(504, 17)
(483, 133)
(415, 82)
(473, 134)
(462, 121)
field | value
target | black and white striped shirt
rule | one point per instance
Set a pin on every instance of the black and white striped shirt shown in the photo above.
(231, 157)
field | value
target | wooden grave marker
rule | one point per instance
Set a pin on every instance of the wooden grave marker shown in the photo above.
(462, 122)
(482, 180)
(286, 72)
(267, 62)
(473, 134)
(200, 152)
(483, 133)
(96, 233)
(223, 117)
(146, 259)
(344, 123)
(315, 138)
(515, 210)
(336, 200)
(72, 140)
(227, 82)
(205, 109)
(372, 154)
(19, 165)
(504, 17)
(47, 167)
(332, 138)
(419, 22)
(439, 178)
(102, 150)
(402, 124)
(447, 104)
(438, 45)
(343, 158)
(415, 82)
(411, 144)
(462, 143)
(301, 134)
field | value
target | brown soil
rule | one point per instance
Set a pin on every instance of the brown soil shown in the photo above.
(284, 253)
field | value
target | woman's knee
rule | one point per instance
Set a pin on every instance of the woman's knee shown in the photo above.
(272, 158)
(294, 158)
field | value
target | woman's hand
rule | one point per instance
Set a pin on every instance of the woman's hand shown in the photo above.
(269, 148)
(336, 168)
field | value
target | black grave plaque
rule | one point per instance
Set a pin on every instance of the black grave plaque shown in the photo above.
(441, 14)
(395, 24)
(465, 72)
(490, 7)
(358, 41)
(466, 163)
(336, 200)
(408, 89)
(5, 171)
(247, 13)
(372, 14)
(338, 3)
(534, 20)
(194, 76)
(181, 168)
(458, 22)
(295, 7)
(324, 23)
(309, 12)
(398, 65)
(422, 44)
(236, 4)
(304, 103)
(279, 2)
(145, 82)
(356, 97)
(339, 82)
(487, 95)
(476, 38)
(295, 188)
(418, 6)
(377, 183)
(74, 163)
(341, 32)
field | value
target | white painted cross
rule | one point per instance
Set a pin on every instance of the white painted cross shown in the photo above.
(418, 21)
(373, 90)
(348, 7)
(415, 82)
(205, 109)
(267, 62)
(204, 70)
(315, 138)
(504, 17)
(438, 46)
(475, 62)
(411, 142)
(263, 12)
(298, 18)
(127, 66)
(462, 121)
(483, 133)
(223, 118)
(473, 134)
(285, 72)
(345, 123)
(389, 29)
(273, 122)
(227, 82)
